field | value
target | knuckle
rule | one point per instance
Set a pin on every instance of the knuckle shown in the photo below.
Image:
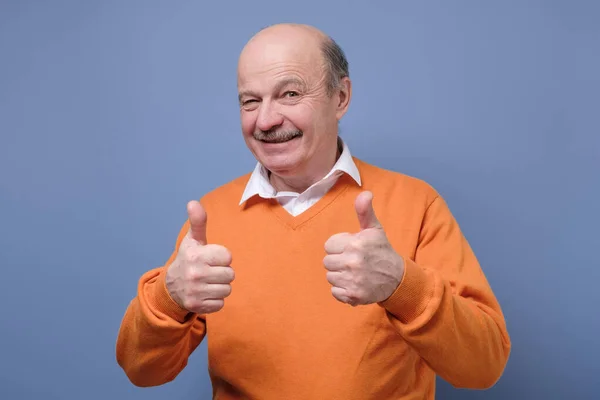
(189, 274)
(349, 294)
(193, 274)
(357, 282)
(356, 244)
(190, 304)
(353, 296)
(355, 261)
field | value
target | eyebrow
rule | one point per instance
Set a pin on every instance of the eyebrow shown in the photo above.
(291, 81)
(280, 85)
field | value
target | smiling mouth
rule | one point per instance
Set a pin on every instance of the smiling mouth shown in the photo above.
(278, 137)
(280, 140)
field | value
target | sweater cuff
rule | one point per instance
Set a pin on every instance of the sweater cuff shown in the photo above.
(164, 303)
(412, 295)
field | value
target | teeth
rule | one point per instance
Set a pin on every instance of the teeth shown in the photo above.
(280, 140)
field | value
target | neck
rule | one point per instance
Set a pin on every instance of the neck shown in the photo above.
(301, 182)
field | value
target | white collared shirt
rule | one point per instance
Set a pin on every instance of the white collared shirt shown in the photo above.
(297, 203)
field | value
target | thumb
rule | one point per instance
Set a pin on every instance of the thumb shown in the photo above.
(197, 217)
(365, 212)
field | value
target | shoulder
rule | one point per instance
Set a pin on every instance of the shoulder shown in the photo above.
(401, 200)
(226, 195)
(394, 184)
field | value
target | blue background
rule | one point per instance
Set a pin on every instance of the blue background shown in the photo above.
(113, 114)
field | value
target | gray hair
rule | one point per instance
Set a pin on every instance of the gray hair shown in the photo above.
(336, 64)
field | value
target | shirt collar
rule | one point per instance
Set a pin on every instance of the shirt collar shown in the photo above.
(259, 184)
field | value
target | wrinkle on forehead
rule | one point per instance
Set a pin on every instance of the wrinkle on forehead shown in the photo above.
(272, 80)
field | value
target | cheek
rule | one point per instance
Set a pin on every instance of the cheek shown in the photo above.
(248, 120)
(303, 118)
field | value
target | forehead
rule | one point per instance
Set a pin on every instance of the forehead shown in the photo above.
(269, 60)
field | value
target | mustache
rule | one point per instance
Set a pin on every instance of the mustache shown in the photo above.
(276, 136)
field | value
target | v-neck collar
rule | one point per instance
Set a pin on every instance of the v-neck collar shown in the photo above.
(294, 222)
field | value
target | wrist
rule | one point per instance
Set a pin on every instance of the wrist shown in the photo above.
(165, 301)
(412, 295)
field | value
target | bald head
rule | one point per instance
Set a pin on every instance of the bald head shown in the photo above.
(290, 31)
(299, 43)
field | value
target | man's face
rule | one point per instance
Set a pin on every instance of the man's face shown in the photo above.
(287, 117)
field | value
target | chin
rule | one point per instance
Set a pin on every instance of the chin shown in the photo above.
(283, 158)
(281, 166)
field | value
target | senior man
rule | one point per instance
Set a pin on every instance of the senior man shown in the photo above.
(318, 275)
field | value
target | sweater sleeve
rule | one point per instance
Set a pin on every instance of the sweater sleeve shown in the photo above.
(445, 308)
(157, 336)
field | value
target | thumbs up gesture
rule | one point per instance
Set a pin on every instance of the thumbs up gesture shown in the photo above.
(199, 278)
(363, 268)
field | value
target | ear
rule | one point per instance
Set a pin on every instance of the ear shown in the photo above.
(343, 96)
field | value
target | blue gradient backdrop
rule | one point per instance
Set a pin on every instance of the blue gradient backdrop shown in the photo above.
(113, 114)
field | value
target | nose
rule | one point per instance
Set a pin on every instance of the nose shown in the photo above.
(268, 116)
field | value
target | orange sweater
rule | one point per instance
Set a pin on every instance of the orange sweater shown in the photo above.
(282, 335)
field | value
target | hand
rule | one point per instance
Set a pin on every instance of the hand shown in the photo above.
(199, 278)
(363, 268)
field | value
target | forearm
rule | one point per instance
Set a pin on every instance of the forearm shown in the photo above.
(156, 336)
(461, 335)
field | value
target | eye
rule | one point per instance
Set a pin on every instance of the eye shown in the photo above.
(290, 93)
(249, 101)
